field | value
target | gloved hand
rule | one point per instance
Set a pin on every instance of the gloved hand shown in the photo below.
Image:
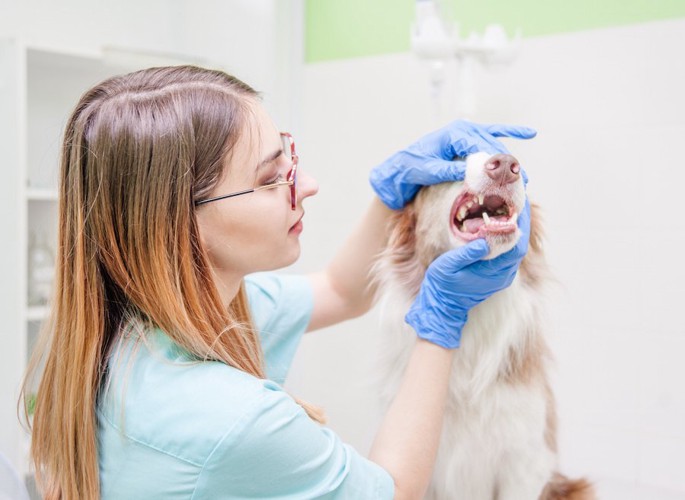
(458, 280)
(430, 160)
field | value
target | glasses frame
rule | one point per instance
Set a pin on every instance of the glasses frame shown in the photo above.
(292, 179)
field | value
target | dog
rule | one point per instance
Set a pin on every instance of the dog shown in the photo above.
(499, 434)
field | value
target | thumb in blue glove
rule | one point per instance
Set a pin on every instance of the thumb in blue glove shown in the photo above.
(431, 160)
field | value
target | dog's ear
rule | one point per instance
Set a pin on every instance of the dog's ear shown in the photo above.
(533, 267)
(537, 234)
(400, 256)
(402, 242)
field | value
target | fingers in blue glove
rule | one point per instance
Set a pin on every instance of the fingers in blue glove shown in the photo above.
(467, 138)
(431, 159)
(459, 258)
(514, 131)
(435, 171)
(399, 181)
(453, 284)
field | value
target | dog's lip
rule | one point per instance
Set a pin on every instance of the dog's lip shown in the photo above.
(508, 226)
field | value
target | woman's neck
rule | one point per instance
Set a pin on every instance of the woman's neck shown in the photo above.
(228, 285)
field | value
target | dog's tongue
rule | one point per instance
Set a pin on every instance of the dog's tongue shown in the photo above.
(473, 225)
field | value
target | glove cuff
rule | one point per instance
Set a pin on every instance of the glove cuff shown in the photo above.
(445, 333)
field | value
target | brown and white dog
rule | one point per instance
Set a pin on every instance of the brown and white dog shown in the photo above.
(499, 435)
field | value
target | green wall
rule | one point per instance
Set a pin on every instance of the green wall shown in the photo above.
(338, 29)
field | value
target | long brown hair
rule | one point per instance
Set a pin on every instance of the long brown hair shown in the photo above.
(139, 149)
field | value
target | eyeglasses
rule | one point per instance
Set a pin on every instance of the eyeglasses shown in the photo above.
(289, 151)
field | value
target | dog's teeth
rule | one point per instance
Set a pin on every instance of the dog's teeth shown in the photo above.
(486, 218)
(514, 217)
(462, 213)
(481, 198)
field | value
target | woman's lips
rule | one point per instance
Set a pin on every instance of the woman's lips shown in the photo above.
(297, 227)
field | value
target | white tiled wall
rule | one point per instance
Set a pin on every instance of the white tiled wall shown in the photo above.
(608, 170)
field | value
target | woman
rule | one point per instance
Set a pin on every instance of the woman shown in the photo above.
(164, 359)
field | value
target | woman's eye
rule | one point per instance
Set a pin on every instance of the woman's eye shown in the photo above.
(276, 179)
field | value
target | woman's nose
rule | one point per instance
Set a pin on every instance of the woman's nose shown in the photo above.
(306, 185)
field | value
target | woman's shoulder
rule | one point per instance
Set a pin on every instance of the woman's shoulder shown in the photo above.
(270, 294)
(161, 398)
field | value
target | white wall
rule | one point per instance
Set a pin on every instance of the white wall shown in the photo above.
(607, 171)
(248, 38)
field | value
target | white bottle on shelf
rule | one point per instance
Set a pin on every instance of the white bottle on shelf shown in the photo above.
(41, 270)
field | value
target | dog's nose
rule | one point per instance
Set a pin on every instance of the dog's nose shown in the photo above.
(503, 169)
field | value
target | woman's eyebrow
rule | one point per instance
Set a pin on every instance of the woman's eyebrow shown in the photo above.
(270, 158)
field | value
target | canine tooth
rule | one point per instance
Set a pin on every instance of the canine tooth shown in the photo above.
(486, 218)
(462, 212)
(481, 198)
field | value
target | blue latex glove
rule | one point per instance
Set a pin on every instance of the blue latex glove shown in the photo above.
(458, 280)
(430, 160)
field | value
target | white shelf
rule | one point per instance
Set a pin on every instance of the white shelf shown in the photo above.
(41, 194)
(40, 86)
(37, 313)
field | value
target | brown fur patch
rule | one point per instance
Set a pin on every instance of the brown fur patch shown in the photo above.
(562, 488)
(402, 249)
(527, 363)
(533, 268)
(551, 421)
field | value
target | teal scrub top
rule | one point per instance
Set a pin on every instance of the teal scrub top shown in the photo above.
(171, 427)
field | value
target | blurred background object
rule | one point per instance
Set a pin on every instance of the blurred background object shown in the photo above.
(11, 485)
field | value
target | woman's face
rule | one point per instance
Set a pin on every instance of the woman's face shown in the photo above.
(256, 231)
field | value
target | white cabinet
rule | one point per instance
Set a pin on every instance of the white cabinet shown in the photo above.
(38, 89)
(13, 327)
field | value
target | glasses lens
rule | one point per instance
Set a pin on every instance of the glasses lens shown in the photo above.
(287, 149)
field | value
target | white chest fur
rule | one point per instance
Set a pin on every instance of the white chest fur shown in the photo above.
(495, 441)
